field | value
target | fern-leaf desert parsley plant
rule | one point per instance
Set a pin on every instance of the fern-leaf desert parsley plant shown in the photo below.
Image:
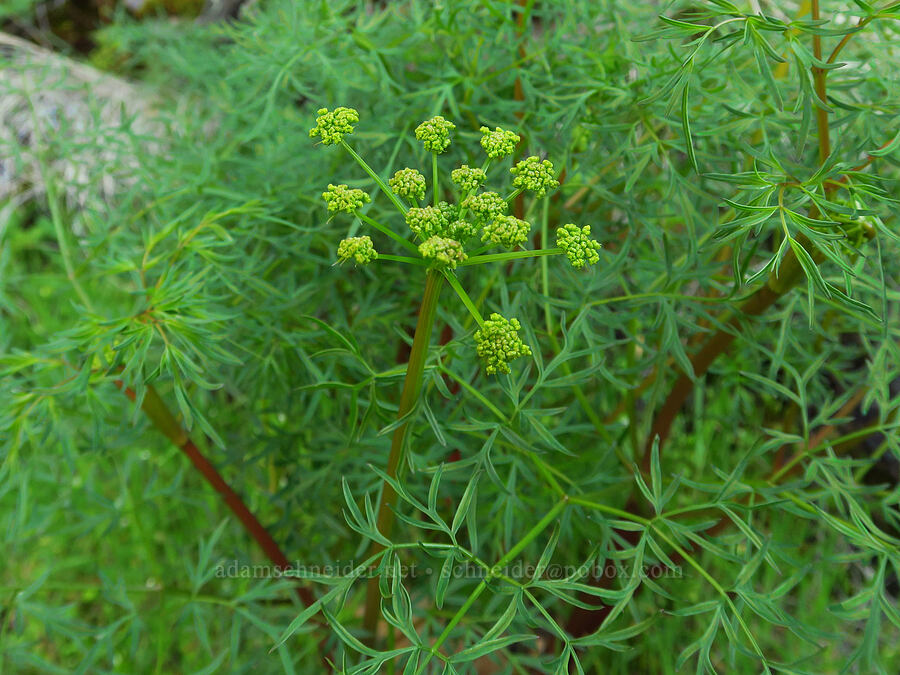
(401, 374)
(443, 232)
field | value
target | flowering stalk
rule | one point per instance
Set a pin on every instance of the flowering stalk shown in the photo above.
(412, 386)
(440, 234)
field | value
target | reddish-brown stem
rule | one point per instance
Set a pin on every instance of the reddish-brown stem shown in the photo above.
(155, 408)
(701, 361)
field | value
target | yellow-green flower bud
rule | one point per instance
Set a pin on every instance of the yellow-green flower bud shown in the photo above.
(468, 179)
(426, 221)
(332, 126)
(435, 134)
(498, 143)
(497, 343)
(343, 198)
(358, 248)
(577, 244)
(408, 183)
(461, 230)
(535, 175)
(443, 252)
(507, 231)
(485, 206)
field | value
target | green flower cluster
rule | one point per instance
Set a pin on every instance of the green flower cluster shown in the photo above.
(444, 252)
(535, 175)
(497, 343)
(485, 206)
(498, 143)
(427, 221)
(507, 231)
(435, 134)
(461, 230)
(358, 248)
(344, 198)
(443, 230)
(332, 126)
(440, 221)
(576, 241)
(408, 183)
(468, 179)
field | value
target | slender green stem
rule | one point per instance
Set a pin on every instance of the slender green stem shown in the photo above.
(495, 572)
(63, 242)
(859, 26)
(381, 184)
(545, 267)
(515, 193)
(56, 216)
(384, 229)
(412, 386)
(715, 584)
(511, 255)
(474, 392)
(435, 179)
(611, 510)
(403, 259)
(461, 292)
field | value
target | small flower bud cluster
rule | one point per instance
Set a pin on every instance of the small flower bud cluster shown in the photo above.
(408, 183)
(468, 179)
(507, 231)
(462, 230)
(344, 198)
(449, 212)
(444, 252)
(435, 134)
(497, 343)
(485, 206)
(498, 143)
(358, 248)
(535, 175)
(426, 221)
(576, 241)
(332, 126)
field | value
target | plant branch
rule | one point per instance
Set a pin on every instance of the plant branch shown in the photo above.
(163, 419)
(384, 229)
(863, 21)
(412, 386)
(496, 570)
(819, 75)
(511, 255)
(461, 292)
(378, 181)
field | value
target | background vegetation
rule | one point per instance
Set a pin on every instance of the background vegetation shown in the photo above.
(744, 314)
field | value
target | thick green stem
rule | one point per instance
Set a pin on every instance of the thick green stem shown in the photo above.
(412, 386)
(819, 80)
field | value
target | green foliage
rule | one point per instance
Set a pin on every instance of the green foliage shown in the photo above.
(762, 534)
